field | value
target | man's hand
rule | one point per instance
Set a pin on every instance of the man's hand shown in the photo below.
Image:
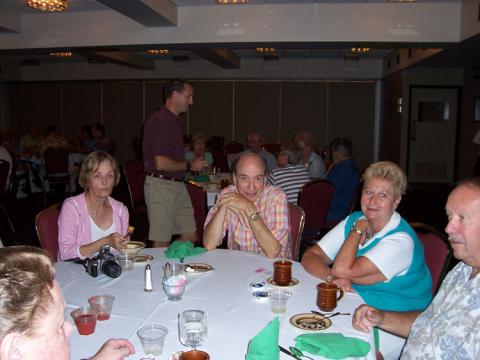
(344, 283)
(239, 205)
(366, 317)
(114, 349)
(198, 164)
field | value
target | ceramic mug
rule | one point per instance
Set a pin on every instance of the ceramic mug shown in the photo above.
(327, 296)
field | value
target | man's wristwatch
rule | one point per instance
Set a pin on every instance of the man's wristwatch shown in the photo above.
(254, 216)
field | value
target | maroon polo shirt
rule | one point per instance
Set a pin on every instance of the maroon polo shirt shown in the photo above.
(163, 136)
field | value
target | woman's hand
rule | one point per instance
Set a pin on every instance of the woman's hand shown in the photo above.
(114, 349)
(117, 241)
(344, 283)
(367, 229)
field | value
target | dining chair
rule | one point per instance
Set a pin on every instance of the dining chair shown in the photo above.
(438, 252)
(46, 224)
(56, 169)
(4, 170)
(233, 147)
(296, 217)
(220, 160)
(198, 196)
(135, 176)
(314, 198)
(273, 148)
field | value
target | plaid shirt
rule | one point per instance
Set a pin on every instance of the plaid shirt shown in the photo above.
(273, 208)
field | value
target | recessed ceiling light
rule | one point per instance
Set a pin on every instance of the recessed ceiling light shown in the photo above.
(158, 51)
(48, 5)
(61, 54)
(262, 50)
(360, 50)
(226, 2)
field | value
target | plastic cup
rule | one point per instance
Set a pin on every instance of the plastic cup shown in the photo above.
(103, 305)
(195, 355)
(278, 300)
(152, 338)
(85, 319)
(125, 260)
(174, 287)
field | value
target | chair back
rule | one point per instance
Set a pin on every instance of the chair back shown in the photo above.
(135, 176)
(297, 221)
(438, 252)
(233, 147)
(46, 224)
(220, 160)
(198, 196)
(56, 162)
(4, 169)
(314, 198)
(137, 148)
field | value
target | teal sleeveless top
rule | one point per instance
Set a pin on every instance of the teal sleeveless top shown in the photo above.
(408, 292)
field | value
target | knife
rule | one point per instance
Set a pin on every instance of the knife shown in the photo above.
(282, 349)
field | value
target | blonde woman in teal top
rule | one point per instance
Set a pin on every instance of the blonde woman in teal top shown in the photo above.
(197, 149)
(375, 252)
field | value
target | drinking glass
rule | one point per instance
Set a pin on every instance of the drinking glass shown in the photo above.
(193, 327)
(278, 300)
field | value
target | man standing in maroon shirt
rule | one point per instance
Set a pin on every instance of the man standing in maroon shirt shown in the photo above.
(169, 206)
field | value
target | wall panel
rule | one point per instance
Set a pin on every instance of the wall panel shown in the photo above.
(122, 115)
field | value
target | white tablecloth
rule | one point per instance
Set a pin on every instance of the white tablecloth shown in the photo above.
(234, 315)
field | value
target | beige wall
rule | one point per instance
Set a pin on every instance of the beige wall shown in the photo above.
(230, 108)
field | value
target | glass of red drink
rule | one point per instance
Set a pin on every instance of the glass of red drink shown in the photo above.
(103, 305)
(85, 319)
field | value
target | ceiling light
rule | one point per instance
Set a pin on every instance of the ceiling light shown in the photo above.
(48, 5)
(61, 54)
(226, 2)
(265, 50)
(158, 51)
(360, 50)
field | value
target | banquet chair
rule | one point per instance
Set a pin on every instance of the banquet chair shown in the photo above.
(4, 169)
(438, 252)
(46, 224)
(220, 160)
(233, 147)
(198, 196)
(314, 198)
(135, 176)
(137, 148)
(297, 220)
(56, 169)
(273, 148)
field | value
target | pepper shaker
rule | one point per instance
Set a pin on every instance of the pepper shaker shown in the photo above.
(148, 278)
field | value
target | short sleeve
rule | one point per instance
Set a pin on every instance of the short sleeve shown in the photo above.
(333, 240)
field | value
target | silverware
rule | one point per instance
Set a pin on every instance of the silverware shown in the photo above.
(328, 316)
(282, 349)
(294, 352)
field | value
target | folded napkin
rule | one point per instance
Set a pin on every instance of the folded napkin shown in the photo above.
(264, 345)
(201, 178)
(332, 345)
(181, 249)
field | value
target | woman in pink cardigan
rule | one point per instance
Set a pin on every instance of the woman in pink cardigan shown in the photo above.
(93, 219)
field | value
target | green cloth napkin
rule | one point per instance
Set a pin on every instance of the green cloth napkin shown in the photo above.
(332, 345)
(264, 345)
(181, 249)
(201, 178)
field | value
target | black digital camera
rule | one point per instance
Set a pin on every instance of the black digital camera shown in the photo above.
(103, 262)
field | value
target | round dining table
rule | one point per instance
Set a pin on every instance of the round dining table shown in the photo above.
(234, 314)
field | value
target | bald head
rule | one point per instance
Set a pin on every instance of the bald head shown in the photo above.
(249, 175)
(248, 159)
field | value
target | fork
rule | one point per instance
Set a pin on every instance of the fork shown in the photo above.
(328, 316)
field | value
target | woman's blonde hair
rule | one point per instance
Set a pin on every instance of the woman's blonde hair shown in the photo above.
(390, 172)
(26, 278)
(91, 164)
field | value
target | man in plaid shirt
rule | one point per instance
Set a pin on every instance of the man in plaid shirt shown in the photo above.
(254, 214)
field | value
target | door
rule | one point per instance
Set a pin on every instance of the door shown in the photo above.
(432, 134)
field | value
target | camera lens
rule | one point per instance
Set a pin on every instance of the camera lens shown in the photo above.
(111, 268)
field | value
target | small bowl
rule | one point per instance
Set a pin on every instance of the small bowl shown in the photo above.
(132, 248)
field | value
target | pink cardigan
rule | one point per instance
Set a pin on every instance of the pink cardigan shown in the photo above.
(74, 225)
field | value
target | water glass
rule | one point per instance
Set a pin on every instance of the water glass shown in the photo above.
(125, 260)
(193, 327)
(174, 286)
(152, 338)
(278, 300)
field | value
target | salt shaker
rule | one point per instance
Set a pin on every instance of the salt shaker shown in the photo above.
(148, 278)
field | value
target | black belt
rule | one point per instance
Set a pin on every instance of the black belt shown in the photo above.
(165, 177)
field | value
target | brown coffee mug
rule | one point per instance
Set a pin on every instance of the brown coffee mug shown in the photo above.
(327, 296)
(195, 355)
(282, 272)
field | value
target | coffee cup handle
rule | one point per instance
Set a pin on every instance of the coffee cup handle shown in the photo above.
(341, 293)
